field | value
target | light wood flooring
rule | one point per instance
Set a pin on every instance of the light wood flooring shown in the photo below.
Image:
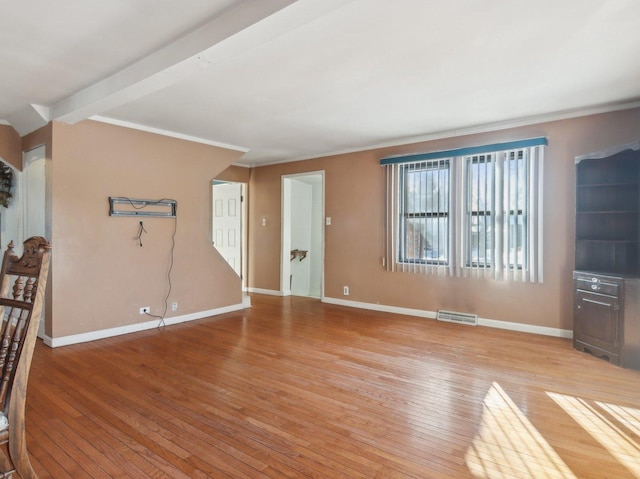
(294, 388)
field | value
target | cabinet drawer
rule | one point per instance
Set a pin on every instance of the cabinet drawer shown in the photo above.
(602, 287)
(599, 284)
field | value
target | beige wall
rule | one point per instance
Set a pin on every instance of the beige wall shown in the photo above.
(10, 150)
(354, 198)
(41, 136)
(238, 174)
(101, 276)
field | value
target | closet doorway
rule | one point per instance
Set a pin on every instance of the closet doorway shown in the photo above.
(302, 255)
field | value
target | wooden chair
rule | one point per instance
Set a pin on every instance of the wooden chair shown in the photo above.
(22, 285)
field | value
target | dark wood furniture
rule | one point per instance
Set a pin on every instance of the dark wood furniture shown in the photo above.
(606, 317)
(23, 282)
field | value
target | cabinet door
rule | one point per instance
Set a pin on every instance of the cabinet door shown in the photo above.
(597, 321)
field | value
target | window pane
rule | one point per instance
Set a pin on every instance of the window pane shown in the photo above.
(480, 183)
(426, 187)
(424, 213)
(479, 200)
(517, 241)
(480, 243)
(516, 169)
(427, 240)
(515, 209)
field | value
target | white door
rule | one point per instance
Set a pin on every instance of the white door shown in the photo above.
(32, 193)
(227, 223)
(34, 199)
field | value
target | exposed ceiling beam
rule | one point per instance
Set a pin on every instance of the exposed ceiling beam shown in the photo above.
(166, 65)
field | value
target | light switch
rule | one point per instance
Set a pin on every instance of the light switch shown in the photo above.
(328, 220)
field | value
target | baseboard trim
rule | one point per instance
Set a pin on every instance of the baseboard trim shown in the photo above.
(246, 301)
(270, 292)
(135, 328)
(489, 323)
(380, 307)
(526, 328)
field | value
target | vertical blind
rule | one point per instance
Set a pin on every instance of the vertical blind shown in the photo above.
(468, 212)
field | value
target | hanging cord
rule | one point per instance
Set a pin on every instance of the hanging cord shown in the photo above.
(140, 231)
(162, 324)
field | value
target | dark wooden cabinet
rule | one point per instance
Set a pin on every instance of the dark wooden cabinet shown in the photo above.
(607, 262)
(598, 315)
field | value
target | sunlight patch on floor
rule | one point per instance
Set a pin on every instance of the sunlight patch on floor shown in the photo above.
(610, 435)
(509, 446)
(628, 417)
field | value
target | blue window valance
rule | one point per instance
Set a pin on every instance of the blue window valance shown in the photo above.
(471, 150)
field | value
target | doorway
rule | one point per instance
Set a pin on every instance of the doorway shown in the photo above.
(228, 224)
(302, 254)
(30, 208)
(25, 214)
(34, 198)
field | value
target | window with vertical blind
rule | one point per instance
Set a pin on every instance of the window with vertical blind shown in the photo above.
(468, 212)
(497, 183)
(424, 212)
(480, 210)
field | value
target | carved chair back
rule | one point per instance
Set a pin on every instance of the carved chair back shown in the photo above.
(23, 281)
(22, 286)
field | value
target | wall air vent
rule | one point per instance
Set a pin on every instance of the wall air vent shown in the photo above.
(454, 317)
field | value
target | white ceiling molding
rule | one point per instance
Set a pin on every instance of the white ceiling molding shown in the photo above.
(172, 134)
(505, 125)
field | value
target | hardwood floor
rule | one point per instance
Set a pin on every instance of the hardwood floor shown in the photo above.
(296, 388)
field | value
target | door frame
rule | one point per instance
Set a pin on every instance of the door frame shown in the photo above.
(285, 233)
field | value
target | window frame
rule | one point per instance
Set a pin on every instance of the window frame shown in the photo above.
(521, 213)
(498, 206)
(404, 216)
(522, 243)
(470, 213)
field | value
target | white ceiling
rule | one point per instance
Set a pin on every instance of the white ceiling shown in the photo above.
(287, 79)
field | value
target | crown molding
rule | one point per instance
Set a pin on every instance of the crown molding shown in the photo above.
(172, 134)
(484, 128)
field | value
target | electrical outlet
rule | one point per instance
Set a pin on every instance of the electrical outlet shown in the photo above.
(174, 306)
(345, 290)
(145, 310)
